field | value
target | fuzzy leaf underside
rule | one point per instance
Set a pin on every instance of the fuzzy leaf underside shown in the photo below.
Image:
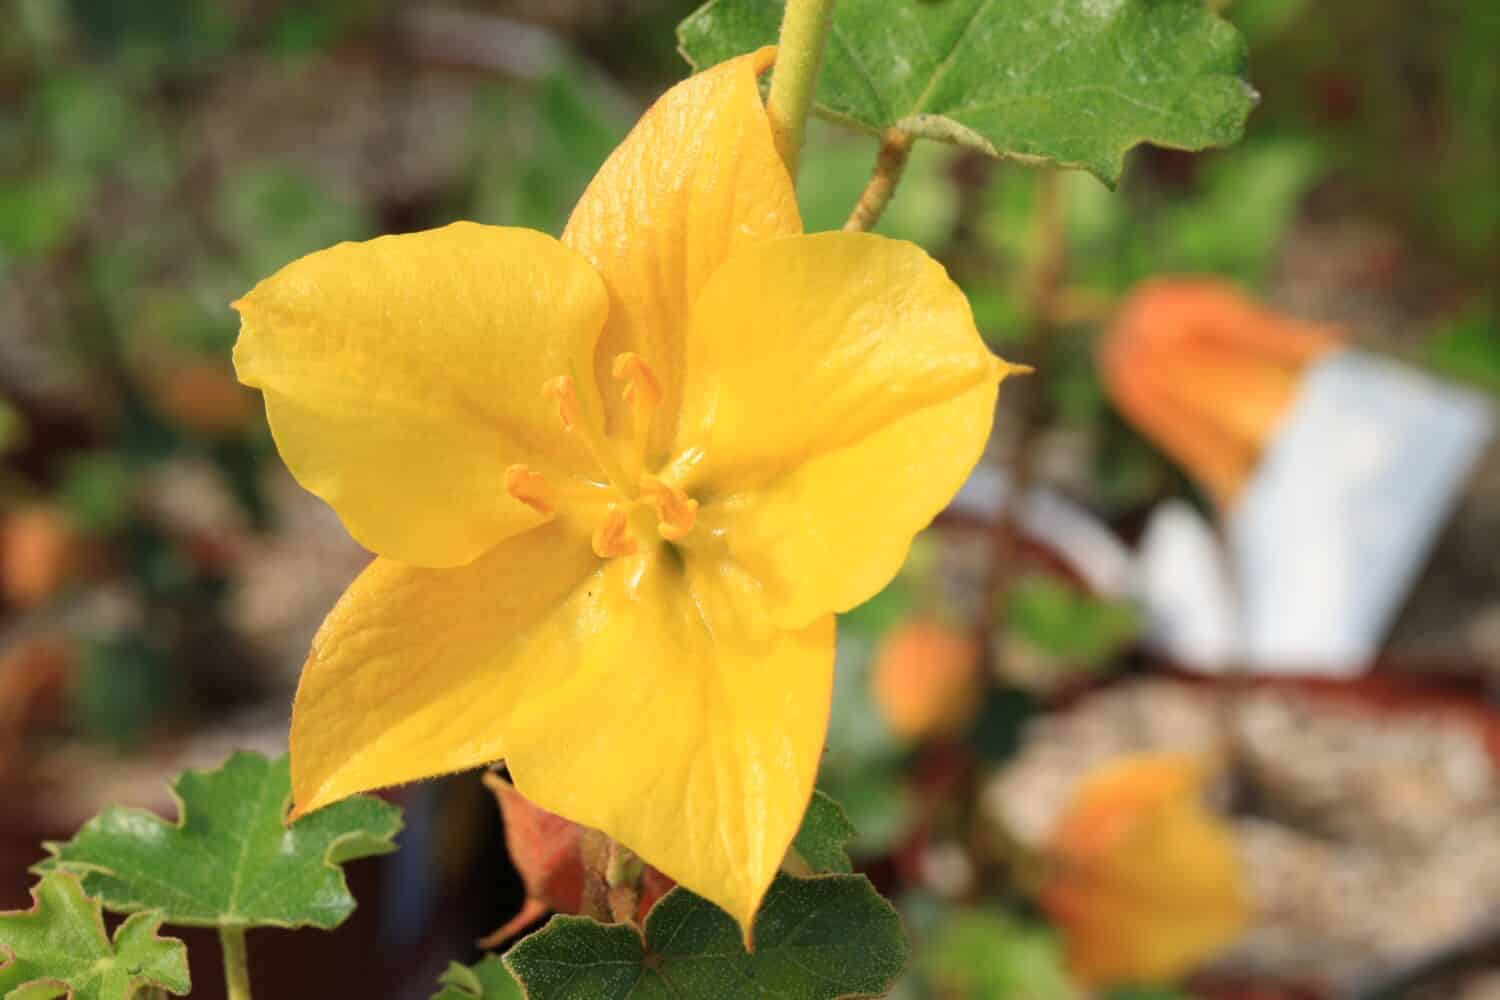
(1072, 82)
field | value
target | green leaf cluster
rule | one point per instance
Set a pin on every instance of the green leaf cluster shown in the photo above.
(1072, 82)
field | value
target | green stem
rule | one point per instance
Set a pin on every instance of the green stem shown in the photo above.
(895, 147)
(799, 55)
(236, 964)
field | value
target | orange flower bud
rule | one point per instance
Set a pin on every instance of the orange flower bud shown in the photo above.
(1144, 883)
(926, 679)
(1207, 373)
(37, 552)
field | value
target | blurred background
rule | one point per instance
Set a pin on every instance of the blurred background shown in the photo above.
(161, 575)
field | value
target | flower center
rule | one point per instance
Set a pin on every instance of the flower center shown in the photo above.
(636, 502)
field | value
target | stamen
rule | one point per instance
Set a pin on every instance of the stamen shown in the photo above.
(613, 537)
(676, 512)
(562, 391)
(642, 390)
(531, 488)
(642, 394)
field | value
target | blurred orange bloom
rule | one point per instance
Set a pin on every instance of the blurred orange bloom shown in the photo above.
(1207, 374)
(1144, 882)
(926, 679)
(38, 552)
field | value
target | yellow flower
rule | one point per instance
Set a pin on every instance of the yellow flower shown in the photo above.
(618, 484)
(1145, 883)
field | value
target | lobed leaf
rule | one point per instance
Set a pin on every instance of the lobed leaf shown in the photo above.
(59, 948)
(230, 860)
(819, 938)
(1072, 82)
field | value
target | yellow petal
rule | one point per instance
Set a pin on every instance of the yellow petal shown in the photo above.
(415, 670)
(837, 396)
(611, 700)
(403, 376)
(696, 749)
(1147, 885)
(697, 180)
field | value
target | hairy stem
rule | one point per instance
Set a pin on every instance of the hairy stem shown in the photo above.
(594, 847)
(236, 963)
(623, 875)
(890, 163)
(799, 55)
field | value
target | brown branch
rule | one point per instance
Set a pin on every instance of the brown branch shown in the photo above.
(890, 163)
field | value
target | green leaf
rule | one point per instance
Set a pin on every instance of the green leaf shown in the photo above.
(13, 430)
(1233, 226)
(977, 953)
(1468, 348)
(488, 980)
(59, 948)
(1068, 626)
(123, 688)
(836, 167)
(278, 213)
(1075, 82)
(822, 842)
(96, 489)
(815, 939)
(230, 861)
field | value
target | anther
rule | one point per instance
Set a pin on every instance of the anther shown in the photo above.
(561, 391)
(531, 488)
(676, 512)
(642, 394)
(642, 389)
(613, 536)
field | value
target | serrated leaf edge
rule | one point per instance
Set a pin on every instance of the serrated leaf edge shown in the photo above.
(81, 868)
(940, 128)
(559, 919)
(642, 932)
(8, 954)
